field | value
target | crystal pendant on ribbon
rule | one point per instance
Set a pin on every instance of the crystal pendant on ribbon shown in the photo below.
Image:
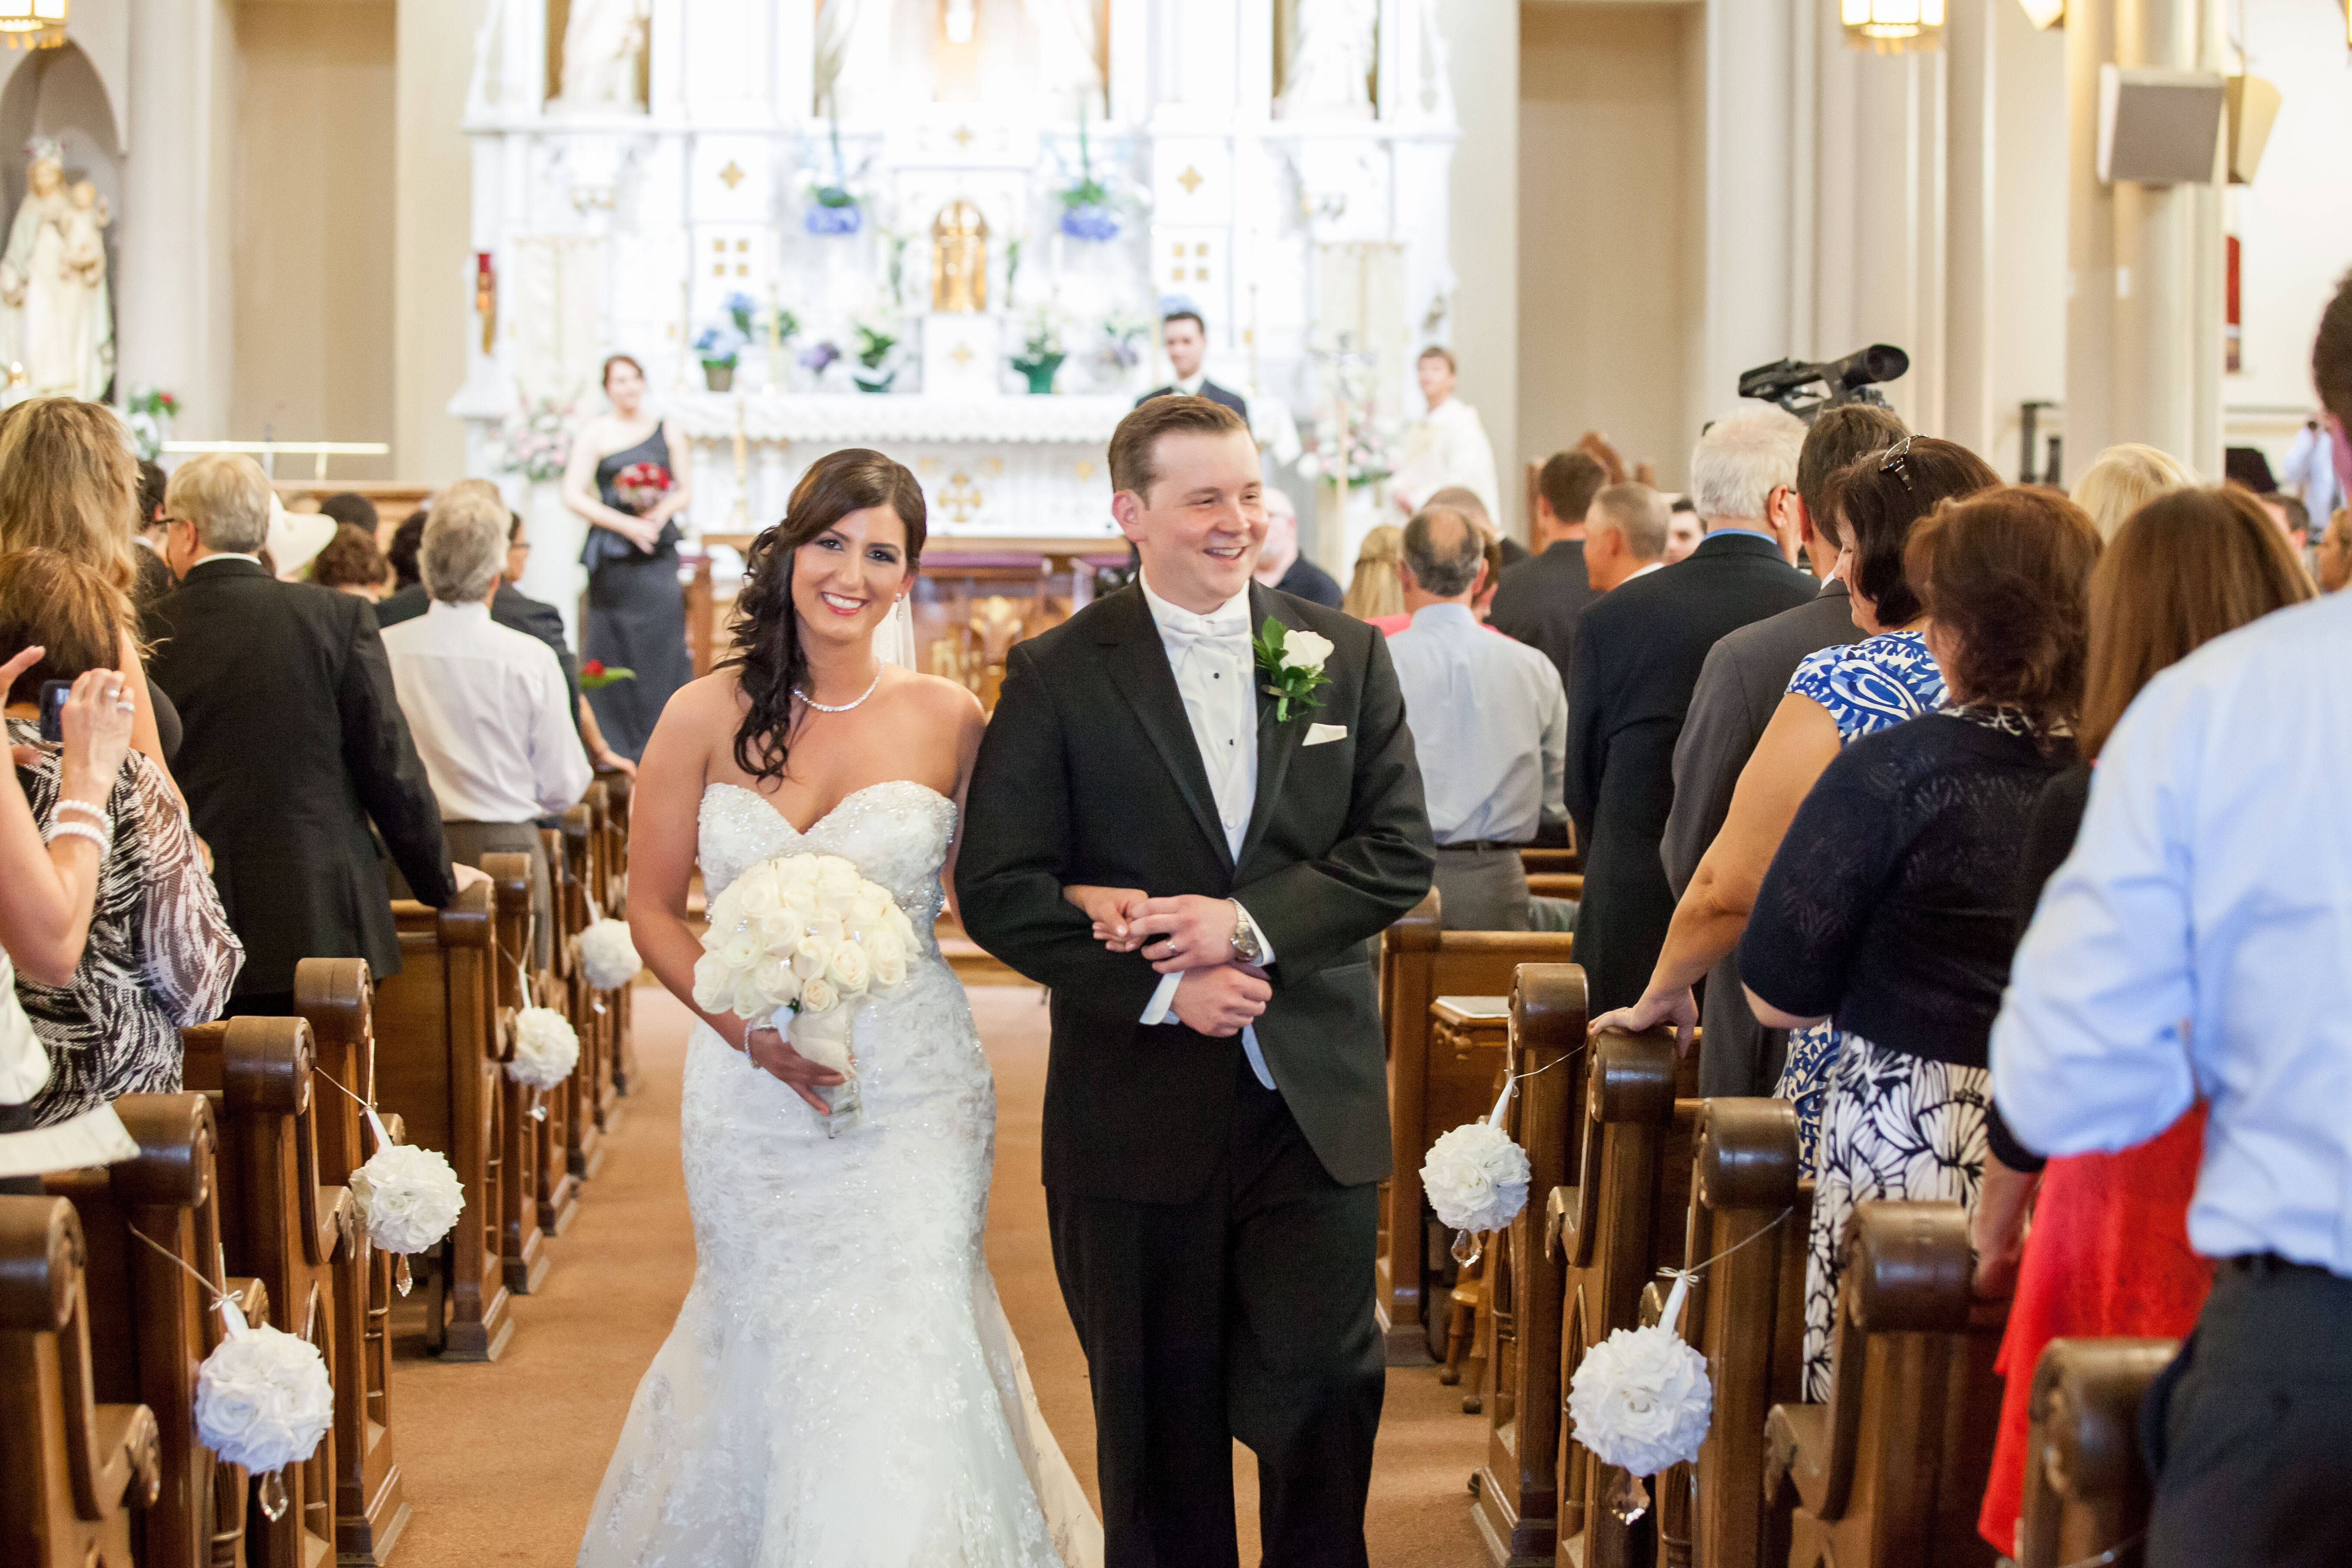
(538, 1108)
(1467, 1247)
(1629, 1500)
(273, 1496)
(401, 1281)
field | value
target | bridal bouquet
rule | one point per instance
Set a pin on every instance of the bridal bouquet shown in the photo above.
(795, 942)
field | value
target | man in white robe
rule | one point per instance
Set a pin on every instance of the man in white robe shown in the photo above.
(1449, 447)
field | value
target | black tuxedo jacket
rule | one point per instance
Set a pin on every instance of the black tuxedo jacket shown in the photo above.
(1637, 656)
(1539, 601)
(294, 740)
(511, 608)
(1209, 390)
(1089, 774)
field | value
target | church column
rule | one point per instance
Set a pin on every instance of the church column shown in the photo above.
(1749, 114)
(432, 295)
(176, 304)
(2144, 262)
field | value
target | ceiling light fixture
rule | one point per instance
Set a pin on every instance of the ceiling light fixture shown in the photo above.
(1892, 26)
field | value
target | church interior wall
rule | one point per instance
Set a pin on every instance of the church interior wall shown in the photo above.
(1482, 38)
(314, 246)
(1604, 220)
(433, 199)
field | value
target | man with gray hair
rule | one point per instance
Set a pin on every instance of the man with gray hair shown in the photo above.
(1489, 726)
(1624, 535)
(488, 704)
(293, 742)
(1639, 650)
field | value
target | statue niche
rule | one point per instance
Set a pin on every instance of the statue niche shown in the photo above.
(53, 284)
(959, 259)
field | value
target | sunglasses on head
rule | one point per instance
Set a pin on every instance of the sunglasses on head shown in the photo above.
(1896, 461)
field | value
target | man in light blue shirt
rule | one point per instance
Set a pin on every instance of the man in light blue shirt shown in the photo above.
(1489, 725)
(2197, 943)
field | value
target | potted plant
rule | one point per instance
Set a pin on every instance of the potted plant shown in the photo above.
(876, 338)
(1042, 353)
(719, 347)
(1121, 349)
(1086, 205)
(149, 411)
(831, 208)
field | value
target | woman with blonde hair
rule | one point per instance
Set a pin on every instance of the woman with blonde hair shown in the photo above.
(1376, 589)
(2124, 478)
(70, 482)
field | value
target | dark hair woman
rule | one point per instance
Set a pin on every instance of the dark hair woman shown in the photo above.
(1837, 695)
(1886, 907)
(2108, 1252)
(628, 478)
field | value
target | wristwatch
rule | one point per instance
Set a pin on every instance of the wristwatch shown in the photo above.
(1248, 946)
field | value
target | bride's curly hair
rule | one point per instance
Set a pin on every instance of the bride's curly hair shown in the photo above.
(767, 656)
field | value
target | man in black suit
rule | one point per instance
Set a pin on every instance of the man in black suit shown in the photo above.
(1637, 656)
(1186, 338)
(1739, 688)
(1216, 1110)
(294, 743)
(1541, 598)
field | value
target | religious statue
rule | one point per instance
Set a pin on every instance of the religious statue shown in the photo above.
(603, 42)
(1330, 70)
(959, 259)
(60, 317)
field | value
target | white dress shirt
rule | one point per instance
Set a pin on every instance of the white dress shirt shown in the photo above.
(1216, 674)
(490, 715)
(2196, 943)
(1449, 447)
(1489, 723)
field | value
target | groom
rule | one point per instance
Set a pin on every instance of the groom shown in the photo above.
(1216, 1107)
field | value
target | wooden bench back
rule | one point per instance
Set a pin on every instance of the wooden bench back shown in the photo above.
(523, 1243)
(75, 1467)
(2086, 1481)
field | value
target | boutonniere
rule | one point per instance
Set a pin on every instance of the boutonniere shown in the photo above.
(1292, 662)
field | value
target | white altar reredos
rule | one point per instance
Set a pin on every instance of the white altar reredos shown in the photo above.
(1281, 165)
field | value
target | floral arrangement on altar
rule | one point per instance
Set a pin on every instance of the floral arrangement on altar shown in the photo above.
(149, 411)
(1040, 352)
(641, 485)
(1088, 209)
(834, 208)
(877, 334)
(795, 942)
(1350, 446)
(1121, 349)
(535, 440)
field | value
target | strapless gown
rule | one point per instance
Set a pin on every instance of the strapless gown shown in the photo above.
(841, 1389)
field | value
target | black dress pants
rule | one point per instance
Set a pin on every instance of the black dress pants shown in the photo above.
(1245, 1313)
(2249, 1431)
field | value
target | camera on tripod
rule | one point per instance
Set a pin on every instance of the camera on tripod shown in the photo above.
(1804, 390)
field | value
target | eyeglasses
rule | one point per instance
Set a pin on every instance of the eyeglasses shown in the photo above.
(1896, 462)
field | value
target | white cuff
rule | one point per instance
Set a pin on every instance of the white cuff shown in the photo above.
(1163, 998)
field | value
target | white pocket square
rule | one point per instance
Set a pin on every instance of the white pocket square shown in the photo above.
(1318, 734)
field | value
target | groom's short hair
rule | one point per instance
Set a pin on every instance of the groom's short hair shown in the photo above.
(1135, 444)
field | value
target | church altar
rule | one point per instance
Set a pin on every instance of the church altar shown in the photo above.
(948, 228)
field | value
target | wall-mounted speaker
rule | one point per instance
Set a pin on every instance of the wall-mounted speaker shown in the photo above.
(2159, 127)
(2253, 105)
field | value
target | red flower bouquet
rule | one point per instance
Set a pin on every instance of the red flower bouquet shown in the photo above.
(640, 485)
(594, 676)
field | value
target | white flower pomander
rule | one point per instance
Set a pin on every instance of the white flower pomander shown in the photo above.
(546, 1048)
(1476, 1178)
(408, 1197)
(607, 956)
(1303, 649)
(263, 1399)
(1640, 1398)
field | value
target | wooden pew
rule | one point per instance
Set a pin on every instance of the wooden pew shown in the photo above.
(1890, 1473)
(523, 1243)
(151, 1324)
(1622, 1220)
(1431, 1094)
(559, 1185)
(2086, 1481)
(583, 1139)
(282, 1224)
(1517, 1501)
(438, 1066)
(71, 1469)
(598, 1067)
(336, 997)
(608, 799)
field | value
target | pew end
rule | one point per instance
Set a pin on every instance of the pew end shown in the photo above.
(2087, 1481)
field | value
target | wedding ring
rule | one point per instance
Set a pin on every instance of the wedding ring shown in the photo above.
(125, 705)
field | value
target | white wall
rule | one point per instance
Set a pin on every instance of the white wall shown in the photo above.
(1483, 44)
(432, 224)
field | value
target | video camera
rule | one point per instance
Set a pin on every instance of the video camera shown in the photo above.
(1852, 379)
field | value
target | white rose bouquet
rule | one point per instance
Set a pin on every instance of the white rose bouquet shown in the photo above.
(263, 1399)
(797, 941)
(546, 1048)
(1641, 1400)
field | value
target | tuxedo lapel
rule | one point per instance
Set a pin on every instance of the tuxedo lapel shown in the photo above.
(1277, 742)
(1138, 667)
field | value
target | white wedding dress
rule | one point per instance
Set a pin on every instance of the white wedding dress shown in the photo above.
(841, 1389)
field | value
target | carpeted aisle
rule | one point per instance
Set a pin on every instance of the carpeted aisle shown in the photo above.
(502, 1461)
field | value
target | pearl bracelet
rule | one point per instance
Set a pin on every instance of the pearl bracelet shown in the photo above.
(79, 830)
(96, 814)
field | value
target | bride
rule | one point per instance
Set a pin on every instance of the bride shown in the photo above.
(841, 1386)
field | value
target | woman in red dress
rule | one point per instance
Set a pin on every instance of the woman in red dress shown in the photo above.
(2108, 1250)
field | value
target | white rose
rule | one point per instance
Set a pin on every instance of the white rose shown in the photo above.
(759, 896)
(872, 904)
(795, 870)
(810, 958)
(777, 983)
(839, 890)
(1476, 1178)
(904, 924)
(1305, 649)
(828, 930)
(889, 968)
(819, 996)
(714, 984)
(1641, 1400)
(782, 931)
(741, 950)
(263, 1399)
(885, 943)
(799, 897)
(848, 969)
(408, 1197)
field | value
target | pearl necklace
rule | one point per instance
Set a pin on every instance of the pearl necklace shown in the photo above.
(840, 707)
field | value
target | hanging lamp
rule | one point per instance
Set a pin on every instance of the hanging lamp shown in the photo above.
(1893, 26)
(33, 23)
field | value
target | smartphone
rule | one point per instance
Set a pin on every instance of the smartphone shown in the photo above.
(52, 709)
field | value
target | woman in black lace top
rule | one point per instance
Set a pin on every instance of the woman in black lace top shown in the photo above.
(1888, 906)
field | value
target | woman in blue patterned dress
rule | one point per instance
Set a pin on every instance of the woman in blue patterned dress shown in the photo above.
(1837, 695)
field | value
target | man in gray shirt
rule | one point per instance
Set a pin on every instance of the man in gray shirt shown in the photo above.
(1745, 677)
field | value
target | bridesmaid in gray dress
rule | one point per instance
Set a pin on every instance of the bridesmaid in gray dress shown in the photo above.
(636, 613)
